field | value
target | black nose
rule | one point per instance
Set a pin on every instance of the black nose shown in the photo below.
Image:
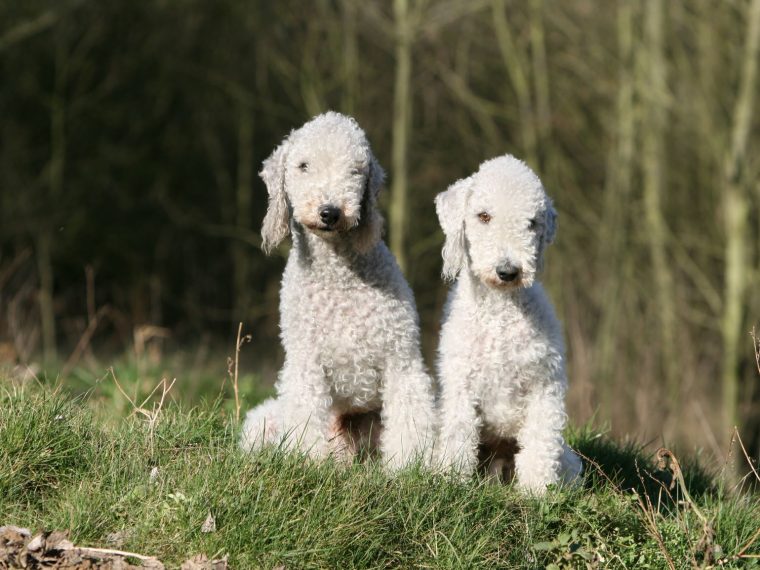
(329, 215)
(508, 272)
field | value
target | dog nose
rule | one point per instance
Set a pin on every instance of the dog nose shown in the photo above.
(329, 215)
(508, 272)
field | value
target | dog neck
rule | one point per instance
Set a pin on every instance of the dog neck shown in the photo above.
(313, 250)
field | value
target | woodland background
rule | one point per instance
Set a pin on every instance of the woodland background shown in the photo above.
(131, 134)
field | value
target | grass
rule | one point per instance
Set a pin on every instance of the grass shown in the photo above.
(153, 479)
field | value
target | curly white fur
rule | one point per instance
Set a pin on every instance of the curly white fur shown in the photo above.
(348, 435)
(349, 322)
(501, 355)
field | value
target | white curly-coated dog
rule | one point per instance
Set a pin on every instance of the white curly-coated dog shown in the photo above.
(348, 318)
(501, 354)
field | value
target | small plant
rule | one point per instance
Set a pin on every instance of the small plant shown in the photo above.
(571, 550)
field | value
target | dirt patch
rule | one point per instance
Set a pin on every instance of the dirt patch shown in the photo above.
(53, 550)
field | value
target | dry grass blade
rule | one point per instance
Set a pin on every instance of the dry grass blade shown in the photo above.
(743, 552)
(121, 390)
(746, 455)
(649, 517)
(666, 460)
(648, 513)
(599, 470)
(647, 509)
(233, 366)
(115, 553)
(152, 416)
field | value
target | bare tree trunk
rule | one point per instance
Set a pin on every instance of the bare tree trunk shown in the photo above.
(613, 261)
(708, 37)
(55, 187)
(736, 193)
(402, 116)
(350, 57)
(541, 88)
(518, 78)
(310, 78)
(653, 87)
(244, 188)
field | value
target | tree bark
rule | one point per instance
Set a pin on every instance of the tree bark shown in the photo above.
(543, 117)
(402, 116)
(518, 78)
(55, 188)
(350, 57)
(653, 87)
(612, 254)
(736, 191)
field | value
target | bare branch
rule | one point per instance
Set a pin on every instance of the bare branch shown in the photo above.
(28, 28)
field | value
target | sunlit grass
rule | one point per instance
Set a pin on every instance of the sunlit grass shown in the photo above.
(152, 479)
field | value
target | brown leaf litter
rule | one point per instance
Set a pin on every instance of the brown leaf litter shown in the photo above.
(53, 550)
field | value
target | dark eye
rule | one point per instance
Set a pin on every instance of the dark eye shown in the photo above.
(303, 167)
(532, 224)
(484, 217)
(356, 172)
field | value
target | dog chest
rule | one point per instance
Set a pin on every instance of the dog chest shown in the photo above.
(354, 379)
(350, 315)
(503, 356)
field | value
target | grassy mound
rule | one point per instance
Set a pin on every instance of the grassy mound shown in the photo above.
(173, 484)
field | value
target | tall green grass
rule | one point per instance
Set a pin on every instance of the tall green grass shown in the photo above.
(148, 486)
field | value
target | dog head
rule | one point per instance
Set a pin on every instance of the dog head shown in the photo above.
(325, 176)
(498, 222)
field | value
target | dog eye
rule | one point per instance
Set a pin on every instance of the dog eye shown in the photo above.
(356, 172)
(303, 167)
(532, 224)
(484, 217)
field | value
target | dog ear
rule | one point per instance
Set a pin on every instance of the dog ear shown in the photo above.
(550, 224)
(548, 233)
(375, 176)
(370, 228)
(276, 226)
(449, 206)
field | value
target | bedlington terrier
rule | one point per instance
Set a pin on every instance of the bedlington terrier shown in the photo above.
(348, 318)
(349, 435)
(501, 355)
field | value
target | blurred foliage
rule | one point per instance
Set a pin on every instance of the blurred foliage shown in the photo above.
(131, 133)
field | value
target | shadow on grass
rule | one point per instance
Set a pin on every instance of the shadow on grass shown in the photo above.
(628, 466)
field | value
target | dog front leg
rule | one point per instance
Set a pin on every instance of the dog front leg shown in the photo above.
(540, 439)
(408, 416)
(460, 426)
(306, 404)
